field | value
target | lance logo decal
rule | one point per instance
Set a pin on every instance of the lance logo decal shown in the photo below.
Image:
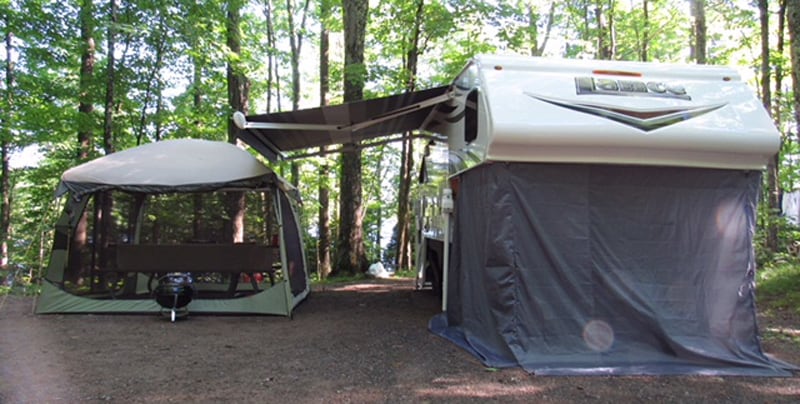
(643, 119)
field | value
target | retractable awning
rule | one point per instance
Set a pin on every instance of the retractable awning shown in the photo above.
(273, 134)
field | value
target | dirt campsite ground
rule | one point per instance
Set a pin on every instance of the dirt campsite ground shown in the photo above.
(363, 342)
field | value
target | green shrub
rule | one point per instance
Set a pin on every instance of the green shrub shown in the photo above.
(779, 285)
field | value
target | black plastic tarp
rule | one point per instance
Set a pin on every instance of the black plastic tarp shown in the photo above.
(596, 269)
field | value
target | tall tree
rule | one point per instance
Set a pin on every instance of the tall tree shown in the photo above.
(324, 220)
(537, 48)
(238, 99)
(107, 201)
(773, 186)
(271, 63)
(108, 116)
(296, 45)
(351, 256)
(85, 120)
(411, 56)
(793, 19)
(6, 134)
(198, 224)
(780, 48)
(86, 78)
(698, 48)
(606, 38)
(643, 54)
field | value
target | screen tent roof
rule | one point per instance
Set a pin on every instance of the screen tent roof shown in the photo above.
(180, 165)
(273, 134)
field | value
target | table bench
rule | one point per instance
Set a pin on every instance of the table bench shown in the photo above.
(233, 259)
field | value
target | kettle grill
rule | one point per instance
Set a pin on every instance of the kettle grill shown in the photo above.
(173, 293)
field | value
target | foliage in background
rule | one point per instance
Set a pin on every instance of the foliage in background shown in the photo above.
(170, 78)
(778, 285)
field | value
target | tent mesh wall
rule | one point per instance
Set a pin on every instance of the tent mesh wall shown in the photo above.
(166, 219)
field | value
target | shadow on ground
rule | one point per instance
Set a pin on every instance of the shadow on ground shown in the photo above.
(362, 342)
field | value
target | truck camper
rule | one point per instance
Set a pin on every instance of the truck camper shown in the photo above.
(578, 216)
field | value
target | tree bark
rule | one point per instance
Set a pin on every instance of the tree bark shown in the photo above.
(108, 115)
(793, 19)
(605, 30)
(699, 30)
(85, 105)
(155, 76)
(324, 221)
(106, 217)
(198, 208)
(537, 49)
(238, 93)
(779, 73)
(296, 45)
(643, 55)
(5, 149)
(85, 129)
(270, 47)
(404, 239)
(351, 257)
(773, 186)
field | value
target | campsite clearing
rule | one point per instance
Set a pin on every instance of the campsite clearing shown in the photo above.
(362, 342)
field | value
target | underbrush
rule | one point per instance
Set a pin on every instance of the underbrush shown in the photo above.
(17, 282)
(778, 285)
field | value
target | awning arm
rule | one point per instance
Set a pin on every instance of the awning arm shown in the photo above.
(359, 147)
(241, 122)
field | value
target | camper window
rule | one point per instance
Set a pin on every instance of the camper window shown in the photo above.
(471, 117)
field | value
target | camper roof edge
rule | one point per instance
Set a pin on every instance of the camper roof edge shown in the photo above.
(538, 63)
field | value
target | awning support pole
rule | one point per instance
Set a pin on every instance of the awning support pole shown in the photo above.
(447, 210)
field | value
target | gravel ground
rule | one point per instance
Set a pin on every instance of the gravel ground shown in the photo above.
(364, 342)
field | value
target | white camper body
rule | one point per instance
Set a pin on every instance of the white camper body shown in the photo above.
(524, 109)
(591, 111)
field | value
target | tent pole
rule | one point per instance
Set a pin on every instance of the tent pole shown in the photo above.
(447, 209)
(287, 287)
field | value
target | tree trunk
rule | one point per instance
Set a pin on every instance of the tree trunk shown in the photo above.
(643, 55)
(238, 90)
(198, 205)
(698, 48)
(108, 116)
(198, 208)
(86, 106)
(533, 29)
(612, 30)
(402, 257)
(296, 45)
(605, 30)
(106, 217)
(773, 186)
(793, 19)
(5, 149)
(270, 47)
(154, 76)
(324, 221)
(351, 257)
(779, 73)
(537, 49)
(85, 126)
